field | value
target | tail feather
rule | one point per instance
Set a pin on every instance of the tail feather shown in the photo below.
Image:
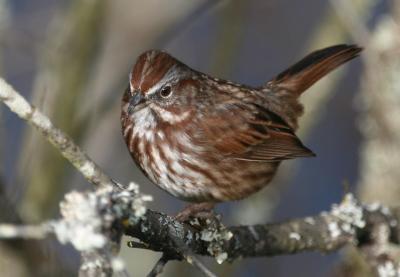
(313, 67)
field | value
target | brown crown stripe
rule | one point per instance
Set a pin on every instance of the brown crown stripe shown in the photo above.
(149, 69)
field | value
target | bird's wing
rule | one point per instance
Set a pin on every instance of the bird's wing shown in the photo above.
(254, 134)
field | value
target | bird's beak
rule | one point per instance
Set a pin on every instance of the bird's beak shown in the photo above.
(135, 100)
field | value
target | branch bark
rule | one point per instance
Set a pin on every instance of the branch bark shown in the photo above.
(346, 224)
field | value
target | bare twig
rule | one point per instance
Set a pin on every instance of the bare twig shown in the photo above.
(186, 252)
(138, 245)
(197, 263)
(159, 266)
(11, 231)
(55, 136)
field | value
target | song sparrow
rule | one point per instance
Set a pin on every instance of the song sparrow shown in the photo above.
(203, 139)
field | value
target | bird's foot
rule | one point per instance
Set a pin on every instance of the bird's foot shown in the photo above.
(198, 210)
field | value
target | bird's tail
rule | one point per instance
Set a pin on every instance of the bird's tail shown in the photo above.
(302, 75)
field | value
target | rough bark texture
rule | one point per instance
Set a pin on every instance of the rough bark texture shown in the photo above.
(326, 232)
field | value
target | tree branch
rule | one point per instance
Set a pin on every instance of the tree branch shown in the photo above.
(109, 213)
(347, 223)
(159, 266)
(17, 104)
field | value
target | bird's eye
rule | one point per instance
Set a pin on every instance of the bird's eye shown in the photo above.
(166, 92)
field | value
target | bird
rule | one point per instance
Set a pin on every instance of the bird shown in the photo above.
(206, 140)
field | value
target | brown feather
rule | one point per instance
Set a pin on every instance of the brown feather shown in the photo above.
(313, 67)
(251, 137)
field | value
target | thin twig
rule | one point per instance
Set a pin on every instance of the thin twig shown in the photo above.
(182, 250)
(11, 231)
(138, 245)
(159, 266)
(189, 256)
(90, 170)
(197, 263)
